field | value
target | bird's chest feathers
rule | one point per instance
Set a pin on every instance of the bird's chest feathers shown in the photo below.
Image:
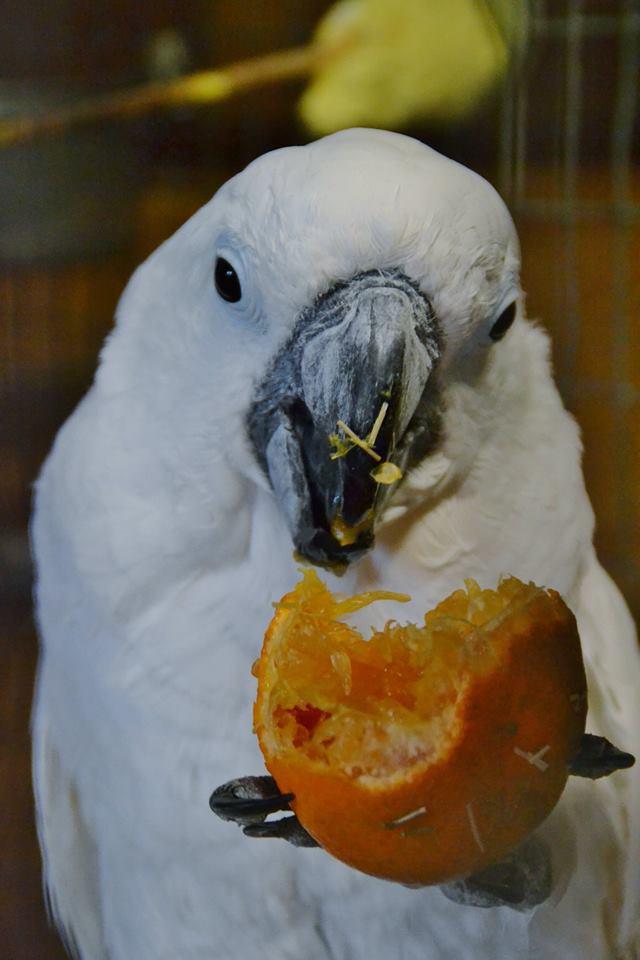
(501, 521)
(187, 656)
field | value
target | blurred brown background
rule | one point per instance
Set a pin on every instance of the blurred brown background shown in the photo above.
(80, 211)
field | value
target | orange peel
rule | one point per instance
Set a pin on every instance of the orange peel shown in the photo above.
(425, 752)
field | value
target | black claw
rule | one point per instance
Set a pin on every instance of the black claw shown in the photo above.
(521, 881)
(597, 757)
(286, 828)
(248, 800)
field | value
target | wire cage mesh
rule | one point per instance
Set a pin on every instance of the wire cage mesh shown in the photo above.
(578, 212)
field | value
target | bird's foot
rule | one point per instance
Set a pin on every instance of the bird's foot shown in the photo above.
(597, 757)
(248, 801)
(522, 880)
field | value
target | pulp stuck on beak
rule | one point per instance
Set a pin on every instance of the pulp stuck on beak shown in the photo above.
(335, 420)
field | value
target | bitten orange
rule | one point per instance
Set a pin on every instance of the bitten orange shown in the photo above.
(425, 752)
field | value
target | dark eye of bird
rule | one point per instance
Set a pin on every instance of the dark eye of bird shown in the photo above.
(227, 283)
(503, 322)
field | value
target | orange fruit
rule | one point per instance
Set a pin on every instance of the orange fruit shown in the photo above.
(425, 752)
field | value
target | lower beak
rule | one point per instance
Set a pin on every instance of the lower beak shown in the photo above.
(337, 417)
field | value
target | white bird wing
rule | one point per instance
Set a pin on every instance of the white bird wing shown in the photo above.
(69, 851)
(612, 658)
(593, 833)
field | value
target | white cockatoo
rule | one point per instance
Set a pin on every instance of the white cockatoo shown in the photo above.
(168, 515)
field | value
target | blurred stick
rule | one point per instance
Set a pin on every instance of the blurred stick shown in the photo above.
(206, 86)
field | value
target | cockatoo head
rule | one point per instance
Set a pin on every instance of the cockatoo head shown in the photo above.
(309, 318)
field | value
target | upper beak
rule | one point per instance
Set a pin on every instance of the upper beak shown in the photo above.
(343, 401)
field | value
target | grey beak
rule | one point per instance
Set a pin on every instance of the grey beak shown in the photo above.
(357, 368)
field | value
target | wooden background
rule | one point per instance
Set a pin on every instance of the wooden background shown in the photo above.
(577, 208)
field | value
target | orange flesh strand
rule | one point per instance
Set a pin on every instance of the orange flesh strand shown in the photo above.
(339, 698)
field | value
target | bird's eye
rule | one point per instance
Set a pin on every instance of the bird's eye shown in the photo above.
(503, 322)
(227, 282)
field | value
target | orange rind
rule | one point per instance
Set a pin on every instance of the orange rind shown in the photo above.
(423, 753)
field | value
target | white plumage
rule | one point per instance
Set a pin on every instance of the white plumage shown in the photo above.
(160, 547)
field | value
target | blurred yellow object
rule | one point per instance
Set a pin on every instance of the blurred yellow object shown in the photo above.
(379, 63)
(411, 59)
